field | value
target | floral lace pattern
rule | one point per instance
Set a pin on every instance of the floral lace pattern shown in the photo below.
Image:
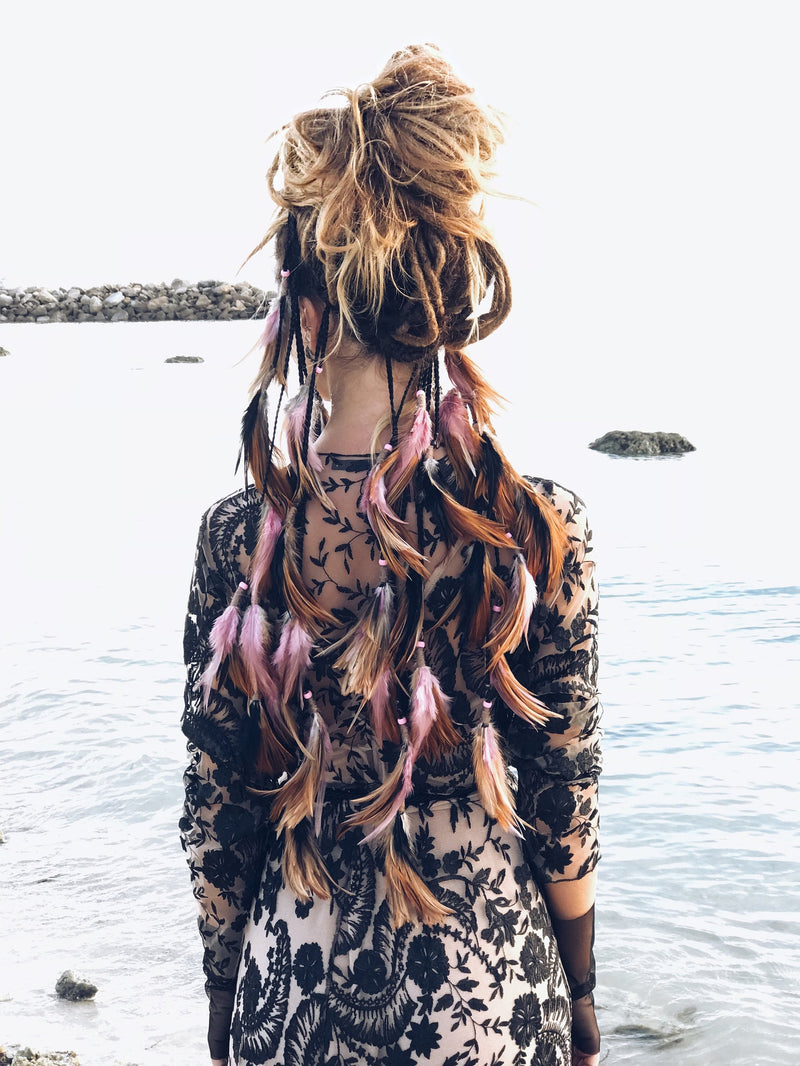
(330, 980)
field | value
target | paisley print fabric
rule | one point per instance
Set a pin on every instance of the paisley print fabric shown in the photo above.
(331, 981)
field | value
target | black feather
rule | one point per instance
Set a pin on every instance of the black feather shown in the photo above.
(492, 470)
(249, 424)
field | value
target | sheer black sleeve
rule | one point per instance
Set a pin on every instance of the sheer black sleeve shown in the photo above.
(225, 830)
(558, 765)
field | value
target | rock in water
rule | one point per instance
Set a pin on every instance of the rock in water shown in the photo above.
(635, 442)
(68, 986)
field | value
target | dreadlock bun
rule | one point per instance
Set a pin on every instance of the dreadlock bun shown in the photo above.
(386, 190)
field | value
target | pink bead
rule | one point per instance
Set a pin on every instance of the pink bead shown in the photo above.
(510, 537)
(387, 448)
(243, 586)
(317, 369)
(496, 608)
(420, 643)
(420, 394)
(487, 704)
(307, 695)
(402, 721)
(381, 562)
(285, 273)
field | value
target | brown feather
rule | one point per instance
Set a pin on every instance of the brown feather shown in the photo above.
(409, 898)
(378, 803)
(521, 701)
(304, 871)
(491, 778)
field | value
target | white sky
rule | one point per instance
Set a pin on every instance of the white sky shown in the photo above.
(659, 141)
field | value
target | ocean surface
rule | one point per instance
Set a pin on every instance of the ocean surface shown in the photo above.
(109, 457)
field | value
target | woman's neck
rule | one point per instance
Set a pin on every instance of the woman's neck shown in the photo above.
(355, 383)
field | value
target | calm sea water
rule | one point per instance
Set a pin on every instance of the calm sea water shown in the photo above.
(109, 456)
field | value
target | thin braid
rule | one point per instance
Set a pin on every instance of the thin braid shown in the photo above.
(436, 398)
(390, 385)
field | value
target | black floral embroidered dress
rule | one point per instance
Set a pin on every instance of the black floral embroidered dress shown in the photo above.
(331, 981)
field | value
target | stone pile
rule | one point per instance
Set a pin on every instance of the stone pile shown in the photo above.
(134, 303)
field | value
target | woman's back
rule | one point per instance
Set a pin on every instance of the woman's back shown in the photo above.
(392, 705)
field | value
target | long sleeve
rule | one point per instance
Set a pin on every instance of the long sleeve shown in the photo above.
(558, 765)
(225, 830)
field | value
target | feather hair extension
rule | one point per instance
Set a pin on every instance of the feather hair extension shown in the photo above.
(387, 527)
(411, 449)
(491, 776)
(254, 644)
(511, 622)
(250, 421)
(319, 799)
(308, 466)
(303, 867)
(407, 628)
(274, 756)
(409, 898)
(271, 529)
(459, 438)
(473, 386)
(299, 600)
(518, 698)
(364, 658)
(222, 640)
(432, 731)
(292, 657)
(388, 799)
(295, 799)
(464, 523)
(383, 723)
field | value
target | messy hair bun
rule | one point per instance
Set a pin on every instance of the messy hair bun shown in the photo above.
(386, 189)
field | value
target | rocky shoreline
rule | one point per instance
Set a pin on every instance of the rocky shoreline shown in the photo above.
(178, 301)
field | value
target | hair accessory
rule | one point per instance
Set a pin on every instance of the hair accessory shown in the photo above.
(318, 368)
(388, 447)
(402, 721)
(496, 608)
(307, 695)
(381, 562)
(285, 273)
(243, 586)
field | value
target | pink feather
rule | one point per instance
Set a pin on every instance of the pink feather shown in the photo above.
(491, 752)
(314, 461)
(295, 422)
(222, 639)
(423, 706)
(265, 549)
(292, 657)
(373, 498)
(459, 379)
(254, 643)
(271, 323)
(456, 426)
(414, 446)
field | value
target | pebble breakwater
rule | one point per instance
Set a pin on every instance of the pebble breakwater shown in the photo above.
(179, 300)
